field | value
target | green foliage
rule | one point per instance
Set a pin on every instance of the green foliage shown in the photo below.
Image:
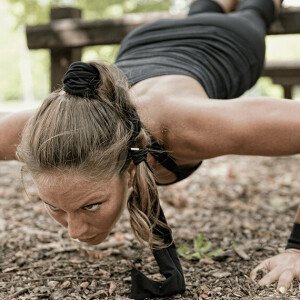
(17, 13)
(37, 11)
(200, 250)
(233, 244)
(276, 202)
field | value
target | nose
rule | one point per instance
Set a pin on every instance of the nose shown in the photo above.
(77, 227)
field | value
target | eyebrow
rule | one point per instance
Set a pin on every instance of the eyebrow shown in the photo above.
(80, 207)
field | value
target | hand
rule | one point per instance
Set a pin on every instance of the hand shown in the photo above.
(283, 267)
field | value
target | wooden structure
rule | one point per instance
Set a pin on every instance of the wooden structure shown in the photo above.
(67, 34)
(285, 73)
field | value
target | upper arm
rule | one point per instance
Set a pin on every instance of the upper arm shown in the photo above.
(202, 128)
(205, 129)
(11, 127)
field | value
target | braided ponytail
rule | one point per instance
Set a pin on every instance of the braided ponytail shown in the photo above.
(143, 203)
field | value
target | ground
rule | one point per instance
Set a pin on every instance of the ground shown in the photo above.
(243, 205)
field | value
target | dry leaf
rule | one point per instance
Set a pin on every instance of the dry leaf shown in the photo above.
(207, 261)
(221, 274)
(84, 285)
(95, 254)
(241, 253)
(7, 270)
(102, 272)
(52, 284)
(112, 288)
(66, 284)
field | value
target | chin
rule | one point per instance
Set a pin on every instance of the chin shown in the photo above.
(94, 241)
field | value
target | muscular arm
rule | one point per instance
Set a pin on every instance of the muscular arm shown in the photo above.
(252, 126)
(11, 126)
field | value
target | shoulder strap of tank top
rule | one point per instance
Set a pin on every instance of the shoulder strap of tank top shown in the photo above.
(163, 158)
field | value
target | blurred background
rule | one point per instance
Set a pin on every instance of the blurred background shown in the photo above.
(25, 75)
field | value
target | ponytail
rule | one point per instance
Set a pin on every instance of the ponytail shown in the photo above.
(143, 203)
(143, 206)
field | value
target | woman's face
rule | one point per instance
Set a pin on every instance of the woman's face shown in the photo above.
(88, 210)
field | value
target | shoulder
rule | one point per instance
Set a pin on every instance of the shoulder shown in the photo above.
(178, 113)
(198, 129)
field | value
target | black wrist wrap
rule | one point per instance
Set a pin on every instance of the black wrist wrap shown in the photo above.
(294, 239)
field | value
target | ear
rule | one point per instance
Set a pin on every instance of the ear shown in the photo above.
(131, 172)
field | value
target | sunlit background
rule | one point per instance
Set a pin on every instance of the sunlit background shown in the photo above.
(25, 75)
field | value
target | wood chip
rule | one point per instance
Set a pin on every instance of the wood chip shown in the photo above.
(101, 272)
(66, 284)
(84, 285)
(221, 274)
(207, 261)
(112, 288)
(52, 284)
(240, 252)
(95, 253)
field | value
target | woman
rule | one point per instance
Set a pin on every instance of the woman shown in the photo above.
(87, 149)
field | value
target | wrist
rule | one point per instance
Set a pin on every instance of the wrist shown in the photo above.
(292, 250)
(294, 239)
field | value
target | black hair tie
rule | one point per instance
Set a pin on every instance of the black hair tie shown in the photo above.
(82, 79)
(140, 155)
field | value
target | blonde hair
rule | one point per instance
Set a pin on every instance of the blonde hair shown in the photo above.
(91, 137)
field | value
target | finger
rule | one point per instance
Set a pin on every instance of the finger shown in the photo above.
(259, 267)
(285, 280)
(270, 277)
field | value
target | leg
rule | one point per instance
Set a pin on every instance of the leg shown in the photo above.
(257, 16)
(244, 59)
(261, 11)
(220, 6)
(204, 6)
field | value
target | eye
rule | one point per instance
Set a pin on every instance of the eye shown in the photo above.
(92, 207)
(53, 208)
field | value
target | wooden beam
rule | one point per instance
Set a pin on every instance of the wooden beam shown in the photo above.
(287, 69)
(285, 73)
(72, 33)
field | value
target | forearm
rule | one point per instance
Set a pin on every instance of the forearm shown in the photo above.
(11, 127)
(265, 126)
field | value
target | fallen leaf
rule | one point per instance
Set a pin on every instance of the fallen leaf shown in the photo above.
(207, 261)
(52, 284)
(84, 285)
(95, 254)
(102, 272)
(7, 270)
(240, 252)
(221, 274)
(112, 288)
(66, 284)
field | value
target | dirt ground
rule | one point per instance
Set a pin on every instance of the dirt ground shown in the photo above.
(243, 205)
